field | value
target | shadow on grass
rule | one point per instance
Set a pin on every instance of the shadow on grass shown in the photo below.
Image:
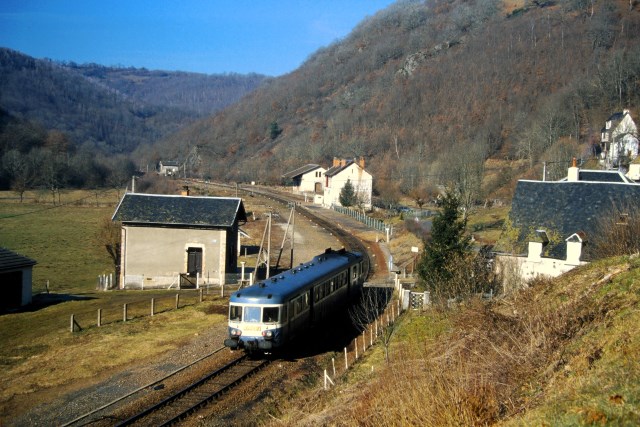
(41, 301)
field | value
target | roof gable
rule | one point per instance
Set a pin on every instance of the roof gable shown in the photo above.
(335, 170)
(187, 211)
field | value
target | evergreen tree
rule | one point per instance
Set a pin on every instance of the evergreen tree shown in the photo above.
(348, 196)
(274, 130)
(447, 243)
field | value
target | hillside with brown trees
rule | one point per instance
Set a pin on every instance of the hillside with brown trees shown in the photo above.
(68, 125)
(435, 92)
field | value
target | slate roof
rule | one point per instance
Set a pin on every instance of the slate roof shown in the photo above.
(11, 261)
(568, 207)
(180, 211)
(602, 176)
(300, 171)
(169, 162)
(335, 170)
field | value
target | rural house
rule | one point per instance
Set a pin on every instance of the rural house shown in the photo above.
(172, 241)
(15, 276)
(558, 218)
(308, 178)
(344, 170)
(168, 168)
(619, 139)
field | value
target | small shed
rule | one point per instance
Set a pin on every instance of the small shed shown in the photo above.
(167, 239)
(15, 276)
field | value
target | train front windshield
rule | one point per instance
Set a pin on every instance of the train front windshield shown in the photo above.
(254, 314)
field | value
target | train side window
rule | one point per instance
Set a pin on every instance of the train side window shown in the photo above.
(283, 314)
(235, 313)
(252, 314)
(270, 314)
(307, 297)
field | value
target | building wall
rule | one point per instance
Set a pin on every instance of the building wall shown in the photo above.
(361, 180)
(309, 180)
(17, 288)
(521, 269)
(154, 256)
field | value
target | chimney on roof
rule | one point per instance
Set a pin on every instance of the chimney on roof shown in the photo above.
(185, 191)
(574, 172)
(361, 162)
(575, 244)
(336, 162)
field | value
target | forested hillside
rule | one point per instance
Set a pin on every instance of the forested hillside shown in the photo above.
(435, 92)
(202, 94)
(68, 125)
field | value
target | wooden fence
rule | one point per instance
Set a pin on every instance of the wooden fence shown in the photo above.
(372, 334)
(136, 309)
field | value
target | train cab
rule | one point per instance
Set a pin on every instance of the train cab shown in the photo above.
(255, 326)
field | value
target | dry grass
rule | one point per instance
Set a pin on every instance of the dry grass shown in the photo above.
(35, 362)
(563, 352)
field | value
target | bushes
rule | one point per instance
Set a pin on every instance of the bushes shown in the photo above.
(617, 233)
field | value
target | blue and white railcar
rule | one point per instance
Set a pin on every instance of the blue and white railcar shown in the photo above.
(273, 312)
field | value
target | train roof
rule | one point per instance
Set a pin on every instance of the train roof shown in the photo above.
(280, 287)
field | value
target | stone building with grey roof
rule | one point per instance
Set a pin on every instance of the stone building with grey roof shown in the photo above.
(166, 238)
(558, 219)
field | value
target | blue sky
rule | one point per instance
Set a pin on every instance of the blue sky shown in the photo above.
(270, 37)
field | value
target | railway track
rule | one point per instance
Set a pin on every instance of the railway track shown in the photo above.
(350, 242)
(99, 414)
(188, 400)
(184, 402)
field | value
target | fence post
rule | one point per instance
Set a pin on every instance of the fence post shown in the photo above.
(124, 313)
(73, 321)
(346, 360)
(99, 317)
(153, 306)
(355, 346)
(200, 296)
(371, 336)
(222, 290)
(177, 301)
(333, 364)
(364, 342)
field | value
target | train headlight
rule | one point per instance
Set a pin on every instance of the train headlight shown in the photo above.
(267, 335)
(235, 332)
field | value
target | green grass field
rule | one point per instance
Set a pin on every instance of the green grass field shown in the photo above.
(59, 237)
(38, 352)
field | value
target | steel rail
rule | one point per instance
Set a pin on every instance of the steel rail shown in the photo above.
(189, 399)
(126, 396)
